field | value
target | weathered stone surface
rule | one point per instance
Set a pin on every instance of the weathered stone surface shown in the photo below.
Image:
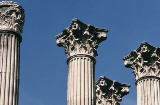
(11, 24)
(80, 38)
(80, 42)
(110, 92)
(145, 62)
(11, 16)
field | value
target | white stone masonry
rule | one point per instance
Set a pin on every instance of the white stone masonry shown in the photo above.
(80, 42)
(145, 62)
(110, 92)
(11, 24)
(81, 81)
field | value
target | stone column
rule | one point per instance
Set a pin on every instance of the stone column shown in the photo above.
(110, 92)
(145, 62)
(11, 24)
(80, 42)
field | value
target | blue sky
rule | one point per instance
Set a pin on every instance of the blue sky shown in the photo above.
(43, 76)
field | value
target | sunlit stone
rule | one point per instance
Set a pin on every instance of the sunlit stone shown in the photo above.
(11, 25)
(80, 42)
(145, 62)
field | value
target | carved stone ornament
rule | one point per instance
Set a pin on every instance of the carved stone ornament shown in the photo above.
(11, 16)
(80, 38)
(110, 92)
(145, 61)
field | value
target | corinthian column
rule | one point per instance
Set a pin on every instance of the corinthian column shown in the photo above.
(110, 92)
(80, 42)
(11, 24)
(145, 62)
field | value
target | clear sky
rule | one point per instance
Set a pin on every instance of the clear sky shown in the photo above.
(43, 75)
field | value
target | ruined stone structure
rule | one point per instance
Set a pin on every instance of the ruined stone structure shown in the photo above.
(145, 62)
(80, 42)
(11, 25)
(110, 92)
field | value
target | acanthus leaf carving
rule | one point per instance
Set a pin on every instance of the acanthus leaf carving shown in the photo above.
(145, 61)
(80, 38)
(110, 92)
(12, 16)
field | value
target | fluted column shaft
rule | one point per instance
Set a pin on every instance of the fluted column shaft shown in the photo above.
(9, 69)
(148, 91)
(81, 81)
(11, 26)
(145, 62)
(80, 42)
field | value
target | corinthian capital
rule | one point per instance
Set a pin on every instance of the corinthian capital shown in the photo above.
(145, 61)
(110, 92)
(11, 17)
(80, 38)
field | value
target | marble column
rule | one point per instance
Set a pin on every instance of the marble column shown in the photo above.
(80, 42)
(11, 25)
(110, 92)
(145, 62)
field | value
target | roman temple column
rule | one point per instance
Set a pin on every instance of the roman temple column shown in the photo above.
(11, 25)
(145, 62)
(110, 92)
(80, 42)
